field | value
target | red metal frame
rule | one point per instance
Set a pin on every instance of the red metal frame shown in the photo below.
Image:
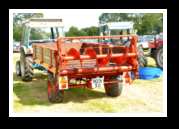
(129, 55)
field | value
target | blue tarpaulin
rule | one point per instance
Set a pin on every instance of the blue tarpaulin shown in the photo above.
(148, 73)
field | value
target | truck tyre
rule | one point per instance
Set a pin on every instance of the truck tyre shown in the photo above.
(18, 70)
(54, 94)
(26, 67)
(142, 59)
(159, 57)
(114, 89)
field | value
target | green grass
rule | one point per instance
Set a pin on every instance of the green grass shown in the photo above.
(30, 93)
(142, 96)
(101, 106)
(148, 82)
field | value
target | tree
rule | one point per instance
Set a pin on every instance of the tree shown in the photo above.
(148, 23)
(151, 24)
(89, 31)
(18, 19)
(17, 32)
(73, 31)
(114, 17)
(83, 33)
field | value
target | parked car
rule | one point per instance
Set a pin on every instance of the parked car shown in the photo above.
(16, 46)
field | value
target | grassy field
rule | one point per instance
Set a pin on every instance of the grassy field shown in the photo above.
(141, 96)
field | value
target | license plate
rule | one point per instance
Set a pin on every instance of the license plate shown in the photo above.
(97, 82)
(63, 82)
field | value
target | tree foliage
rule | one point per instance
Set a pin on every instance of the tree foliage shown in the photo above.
(148, 23)
(73, 31)
(89, 31)
(151, 23)
(18, 19)
(114, 17)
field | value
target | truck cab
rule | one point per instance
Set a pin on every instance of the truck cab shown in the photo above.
(156, 50)
(40, 31)
(36, 31)
(116, 28)
(122, 28)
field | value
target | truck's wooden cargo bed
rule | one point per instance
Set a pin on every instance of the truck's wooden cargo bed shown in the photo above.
(44, 53)
(79, 57)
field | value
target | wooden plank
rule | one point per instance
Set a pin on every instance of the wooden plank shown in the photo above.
(51, 46)
(51, 58)
(47, 56)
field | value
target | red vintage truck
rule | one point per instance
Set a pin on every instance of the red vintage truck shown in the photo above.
(156, 50)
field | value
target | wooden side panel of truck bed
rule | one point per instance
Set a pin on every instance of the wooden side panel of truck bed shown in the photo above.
(44, 54)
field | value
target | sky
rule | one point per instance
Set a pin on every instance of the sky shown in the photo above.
(77, 18)
(81, 18)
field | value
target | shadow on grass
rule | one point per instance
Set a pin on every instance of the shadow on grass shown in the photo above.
(31, 93)
(35, 92)
(81, 95)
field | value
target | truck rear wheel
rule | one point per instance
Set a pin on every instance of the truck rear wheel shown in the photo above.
(18, 70)
(142, 59)
(159, 57)
(54, 94)
(26, 67)
(114, 89)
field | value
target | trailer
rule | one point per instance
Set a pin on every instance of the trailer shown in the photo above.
(72, 63)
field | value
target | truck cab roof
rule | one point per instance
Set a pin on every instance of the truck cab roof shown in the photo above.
(41, 22)
(119, 25)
